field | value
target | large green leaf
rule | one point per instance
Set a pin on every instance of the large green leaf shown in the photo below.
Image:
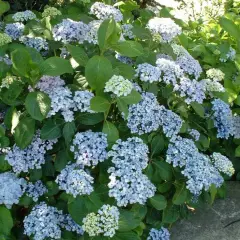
(4, 7)
(133, 98)
(157, 145)
(230, 27)
(69, 130)
(181, 194)
(171, 214)
(51, 130)
(90, 118)
(98, 72)
(158, 201)
(127, 221)
(129, 48)
(78, 54)
(111, 130)
(164, 169)
(6, 221)
(126, 236)
(38, 105)
(24, 132)
(55, 66)
(99, 104)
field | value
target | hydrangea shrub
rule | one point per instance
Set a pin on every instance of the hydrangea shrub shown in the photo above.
(109, 125)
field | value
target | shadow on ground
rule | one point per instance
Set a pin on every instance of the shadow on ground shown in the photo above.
(208, 223)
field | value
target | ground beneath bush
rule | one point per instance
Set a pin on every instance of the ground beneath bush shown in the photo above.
(209, 223)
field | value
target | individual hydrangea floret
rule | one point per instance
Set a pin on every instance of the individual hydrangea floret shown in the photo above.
(192, 90)
(103, 11)
(39, 43)
(119, 86)
(236, 127)
(170, 70)
(145, 116)
(223, 164)
(127, 31)
(70, 225)
(36, 190)
(92, 34)
(75, 180)
(89, 148)
(148, 73)
(222, 116)
(32, 157)
(215, 74)
(51, 12)
(105, 222)
(70, 31)
(14, 30)
(124, 59)
(24, 16)
(43, 222)
(161, 234)
(194, 133)
(82, 101)
(11, 188)
(187, 63)
(4, 39)
(165, 27)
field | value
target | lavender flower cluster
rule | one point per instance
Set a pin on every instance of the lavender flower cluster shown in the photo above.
(161, 234)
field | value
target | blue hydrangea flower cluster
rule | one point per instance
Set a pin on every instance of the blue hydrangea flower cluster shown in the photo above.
(36, 190)
(128, 184)
(127, 31)
(148, 73)
(103, 11)
(105, 222)
(82, 101)
(194, 133)
(161, 234)
(75, 181)
(124, 59)
(223, 164)
(6, 59)
(92, 34)
(222, 116)
(32, 157)
(89, 148)
(236, 127)
(192, 90)
(11, 188)
(165, 27)
(24, 16)
(70, 225)
(40, 44)
(14, 30)
(230, 55)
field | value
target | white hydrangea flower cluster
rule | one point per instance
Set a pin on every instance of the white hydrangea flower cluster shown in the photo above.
(8, 80)
(24, 16)
(38, 43)
(4, 39)
(165, 27)
(14, 30)
(75, 181)
(231, 55)
(127, 31)
(6, 59)
(198, 169)
(236, 127)
(89, 148)
(36, 190)
(161, 234)
(192, 90)
(70, 31)
(124, 59)
(187, 63)
(128, 184)
(223, 164)
(212, 86)
(11, 188)
(119, 86)
(70, 225)
(82, 101)
(170, 70)
(215, 74)
(51, 12)
(103, 11)
(148, 73)
(92, 34)
(61, 96)
(33, 156)
(105, 222)
(194, 133)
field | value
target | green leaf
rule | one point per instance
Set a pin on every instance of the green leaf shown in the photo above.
(24, 132)
(122, 106)
(124, 70)
(171, 214)
(6, 221)
(10, 94)
(55, 66)
(158, 201)
(105, 30)
(126, 236)
(69, 130)
(157, 145)
(164, 169)
(38, 105)
(61, 160)
(230, 27)
(4, 7)
(99, 104)
(90, 118)
(181, 194)
(111, 131)
(129, 48)
(133, 98)
(98, 71)
(127, 221)
(198, 108)
(237, 151)
(51, 130)
(78, 54)
(4, 165)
